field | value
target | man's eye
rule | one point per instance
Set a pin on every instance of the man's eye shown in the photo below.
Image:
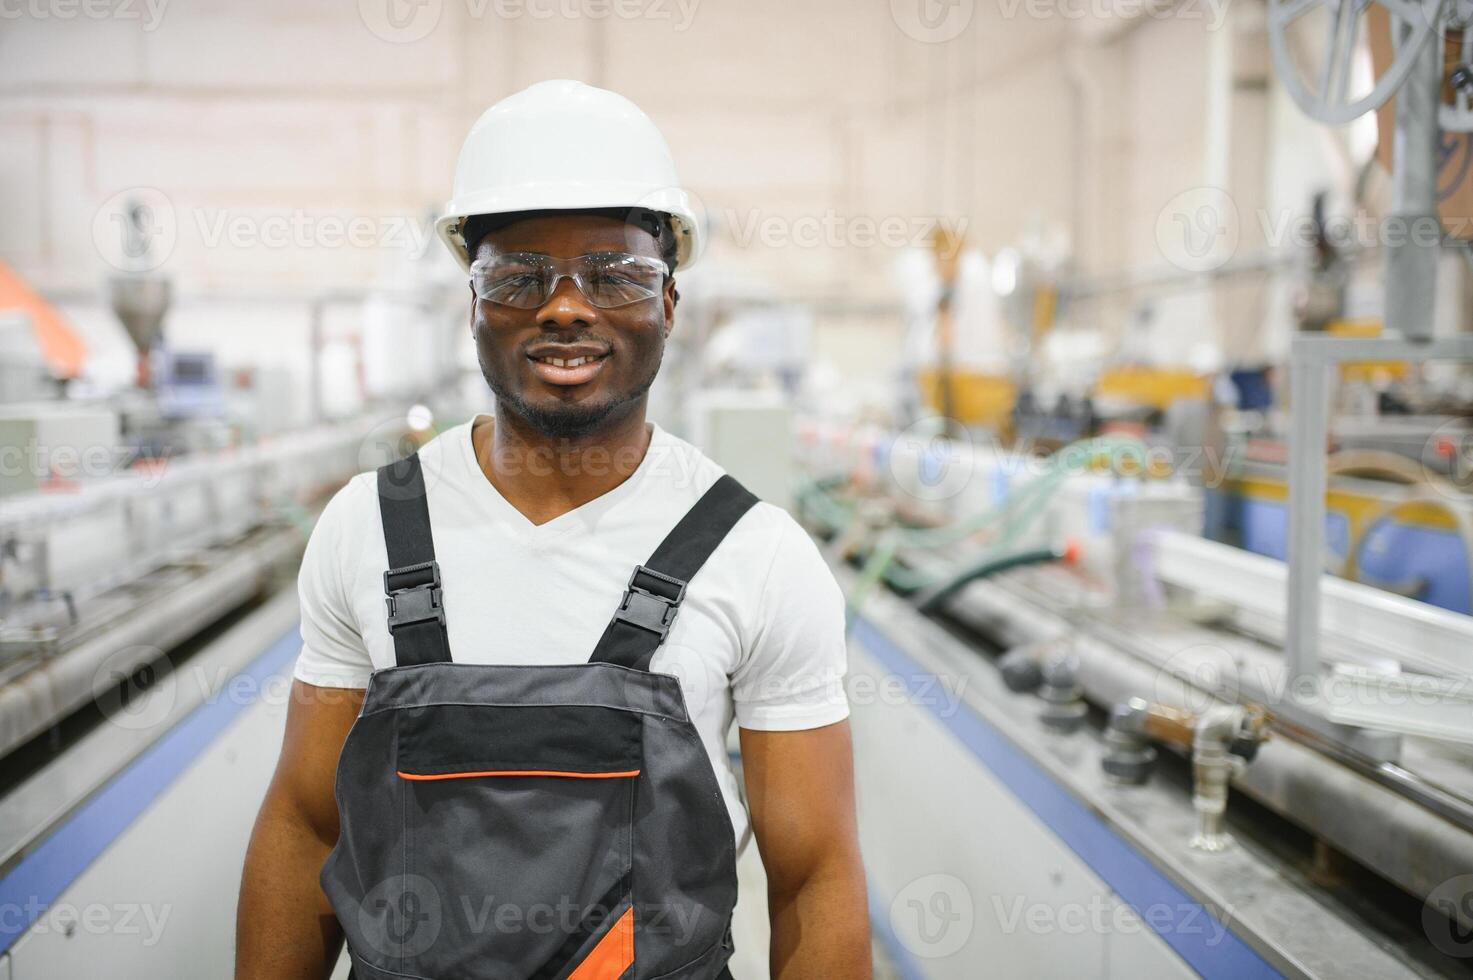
(514, 280)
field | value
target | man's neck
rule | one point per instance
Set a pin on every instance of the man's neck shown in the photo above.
(545, 477)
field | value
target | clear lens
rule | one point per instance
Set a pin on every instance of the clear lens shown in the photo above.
(524, 280)
(519, 280)
(618, 280)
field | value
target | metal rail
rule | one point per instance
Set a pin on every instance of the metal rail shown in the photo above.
(1358, 806)
(56, 686)
(1312, 359)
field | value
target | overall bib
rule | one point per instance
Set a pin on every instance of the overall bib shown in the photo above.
(557, 822)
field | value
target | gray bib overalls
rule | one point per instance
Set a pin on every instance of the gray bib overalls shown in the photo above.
(557, 822)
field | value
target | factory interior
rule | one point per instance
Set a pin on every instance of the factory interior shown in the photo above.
(1115, 355)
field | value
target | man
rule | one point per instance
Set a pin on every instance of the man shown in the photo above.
(578, 604)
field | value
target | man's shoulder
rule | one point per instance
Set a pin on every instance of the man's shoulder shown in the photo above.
(348, 505)
(681, 473)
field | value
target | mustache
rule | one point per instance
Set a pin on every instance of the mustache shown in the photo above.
(563, 339)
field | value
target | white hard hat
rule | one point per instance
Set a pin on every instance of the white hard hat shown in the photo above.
(565, 145)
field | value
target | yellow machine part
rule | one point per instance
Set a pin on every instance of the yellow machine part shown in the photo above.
(1157, 387)
(1045, 309)
(1356, 507)
(1365, 370)
(976, 398)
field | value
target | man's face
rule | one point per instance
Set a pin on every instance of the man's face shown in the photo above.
(627, 342)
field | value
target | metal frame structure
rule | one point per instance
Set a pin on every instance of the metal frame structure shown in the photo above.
(1410, 290)
(1312, 359)
(1362, 622)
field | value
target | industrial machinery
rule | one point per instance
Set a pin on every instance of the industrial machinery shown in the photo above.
(148, 538)
(1206, 663)
(1120, 698)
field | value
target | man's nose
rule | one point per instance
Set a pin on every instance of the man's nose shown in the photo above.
(566, 306)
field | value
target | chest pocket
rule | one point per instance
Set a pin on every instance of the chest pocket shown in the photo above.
(522, 816)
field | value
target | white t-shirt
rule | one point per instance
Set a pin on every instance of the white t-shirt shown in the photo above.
(759, 636)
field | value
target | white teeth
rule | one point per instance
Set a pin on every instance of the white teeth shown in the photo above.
(571, 362)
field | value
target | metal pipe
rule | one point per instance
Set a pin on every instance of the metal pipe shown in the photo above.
(1389, 830)
(1309, 423)
(1064, 709)
(1213, 767)
(30, 810)
(1129, 756)
(61, 684)
(1411, 257)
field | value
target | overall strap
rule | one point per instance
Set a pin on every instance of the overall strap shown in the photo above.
(412, 583)
(657, 587)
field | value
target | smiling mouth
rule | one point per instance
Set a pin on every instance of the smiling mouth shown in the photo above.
(568, 371)
(569, 362)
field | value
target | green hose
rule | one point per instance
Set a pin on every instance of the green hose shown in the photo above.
(935, 597)
(1016, 515)
(815, 497)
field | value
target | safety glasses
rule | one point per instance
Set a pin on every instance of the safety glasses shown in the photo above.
(525, 280)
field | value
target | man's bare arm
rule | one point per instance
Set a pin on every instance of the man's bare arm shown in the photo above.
(285, 928)
(800, 787)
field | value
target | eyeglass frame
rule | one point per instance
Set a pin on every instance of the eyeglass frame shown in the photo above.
(569, 269)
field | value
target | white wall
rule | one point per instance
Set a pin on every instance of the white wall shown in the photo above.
(292, 118)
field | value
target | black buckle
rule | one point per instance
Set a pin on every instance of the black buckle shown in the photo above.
(649, 610)
(418, 603)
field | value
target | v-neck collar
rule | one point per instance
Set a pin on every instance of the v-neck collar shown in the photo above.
(579, 518)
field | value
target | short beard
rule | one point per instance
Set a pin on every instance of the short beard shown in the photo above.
(568, 421)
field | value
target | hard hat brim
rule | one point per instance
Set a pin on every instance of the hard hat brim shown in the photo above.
(559, 197)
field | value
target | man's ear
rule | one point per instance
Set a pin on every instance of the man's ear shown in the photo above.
(671, 299)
